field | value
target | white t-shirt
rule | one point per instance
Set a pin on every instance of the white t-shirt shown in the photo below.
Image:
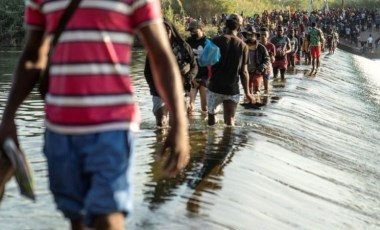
(370, 40)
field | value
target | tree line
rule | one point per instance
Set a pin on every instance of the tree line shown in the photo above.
(11, 12)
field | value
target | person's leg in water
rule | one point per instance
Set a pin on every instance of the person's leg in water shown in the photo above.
(110, 221)
(251, 83)
(305, 56)
(77, 224)
(114, 221)
(257, 81)
(202, 88)
(318, 55)
(160, 112)
(308, 58)
(317, 65)
(266, 83)
(318, 62)
(211, 119)
(229, 109)
(203, 97)
(312, 63)
(291, 60)
(193, 94)
(275, 72)
(213, 105)
(282, 72)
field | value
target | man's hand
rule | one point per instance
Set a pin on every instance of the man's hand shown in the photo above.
(250, 98)
(177, 145)
(8, 129)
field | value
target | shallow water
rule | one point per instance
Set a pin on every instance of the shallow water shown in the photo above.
(308, 160)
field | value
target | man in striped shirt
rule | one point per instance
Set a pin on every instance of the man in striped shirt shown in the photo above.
(91, 112)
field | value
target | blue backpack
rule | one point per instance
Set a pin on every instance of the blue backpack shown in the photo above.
(210, 54)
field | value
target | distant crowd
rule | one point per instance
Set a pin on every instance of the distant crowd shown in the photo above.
(348, 23)
(254, 50)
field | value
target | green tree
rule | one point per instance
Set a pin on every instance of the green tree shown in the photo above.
(196, 8)
(11, 11)
(11, 22)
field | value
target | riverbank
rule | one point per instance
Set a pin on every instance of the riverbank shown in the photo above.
(348, 46)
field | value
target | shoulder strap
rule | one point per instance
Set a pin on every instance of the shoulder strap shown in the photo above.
(64, 20)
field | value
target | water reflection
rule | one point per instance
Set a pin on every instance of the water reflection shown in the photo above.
(208, 173)
(212, 150)
(160, 189)
(307, 159)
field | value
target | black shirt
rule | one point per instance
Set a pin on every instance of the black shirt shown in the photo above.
(195, 44)
(225, 73)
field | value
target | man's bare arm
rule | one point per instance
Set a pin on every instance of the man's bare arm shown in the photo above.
(244, 78)
(167, 79)
(30, 64)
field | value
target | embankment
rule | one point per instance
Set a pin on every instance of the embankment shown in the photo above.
(358, 51)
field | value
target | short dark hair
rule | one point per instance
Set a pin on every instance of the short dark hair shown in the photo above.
(264, 29)
(233, 22)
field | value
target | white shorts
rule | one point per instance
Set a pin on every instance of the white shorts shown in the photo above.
(214, 101)
(158, 103)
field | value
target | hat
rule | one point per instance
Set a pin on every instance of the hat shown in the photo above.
(195, 24)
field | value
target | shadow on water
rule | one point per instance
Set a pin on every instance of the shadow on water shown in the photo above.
(208, 172)
(212, 150)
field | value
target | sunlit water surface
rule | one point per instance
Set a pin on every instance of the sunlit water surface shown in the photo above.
(308, 160)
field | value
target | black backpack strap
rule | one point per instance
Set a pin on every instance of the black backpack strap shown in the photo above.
(64, 20)
(44, 78)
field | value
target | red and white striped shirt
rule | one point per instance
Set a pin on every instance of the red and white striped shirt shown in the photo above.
(90, 86)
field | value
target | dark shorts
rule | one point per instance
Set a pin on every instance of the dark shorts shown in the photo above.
(90, 174)
(201, 81)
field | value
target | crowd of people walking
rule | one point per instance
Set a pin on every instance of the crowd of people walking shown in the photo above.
(253, 51)
(91, 112)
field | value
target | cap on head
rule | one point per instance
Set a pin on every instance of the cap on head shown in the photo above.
(195, 24)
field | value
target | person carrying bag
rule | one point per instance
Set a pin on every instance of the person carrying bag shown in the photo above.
(43, 86)
(210, 54)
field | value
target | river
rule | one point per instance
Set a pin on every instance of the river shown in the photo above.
(308, 160)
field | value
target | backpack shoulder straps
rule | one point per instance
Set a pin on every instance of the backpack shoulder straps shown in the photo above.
(69, 11)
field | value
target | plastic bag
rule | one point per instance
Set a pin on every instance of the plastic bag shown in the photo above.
(210, 54)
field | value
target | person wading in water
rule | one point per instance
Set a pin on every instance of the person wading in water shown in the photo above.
(224, 83)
